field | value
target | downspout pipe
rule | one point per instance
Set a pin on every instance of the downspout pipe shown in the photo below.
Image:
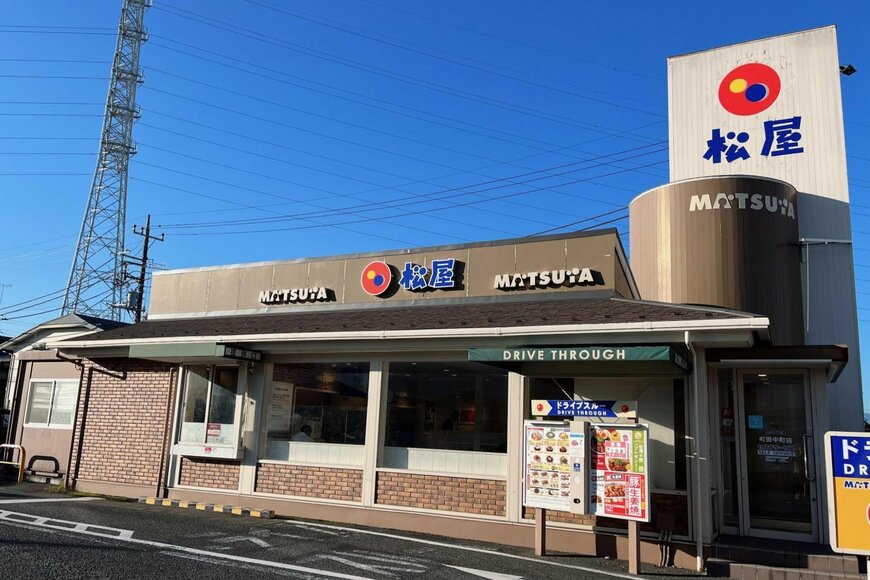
(696, 428)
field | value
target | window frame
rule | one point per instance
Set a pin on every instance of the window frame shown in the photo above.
(202, 448)
(49, 424)
(314, 453)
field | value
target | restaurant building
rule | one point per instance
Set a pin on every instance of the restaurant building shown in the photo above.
(390, 388)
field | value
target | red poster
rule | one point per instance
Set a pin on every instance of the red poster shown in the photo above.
(619, 485)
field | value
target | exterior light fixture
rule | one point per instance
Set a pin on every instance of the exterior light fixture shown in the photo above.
(848, 69)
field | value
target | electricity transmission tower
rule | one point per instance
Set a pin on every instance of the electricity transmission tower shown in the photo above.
(96, 283)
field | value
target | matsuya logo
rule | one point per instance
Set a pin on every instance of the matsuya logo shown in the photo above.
(376, 278)
(749, 89)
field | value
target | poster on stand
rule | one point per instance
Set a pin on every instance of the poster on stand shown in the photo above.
(619, 472)
(547, 481)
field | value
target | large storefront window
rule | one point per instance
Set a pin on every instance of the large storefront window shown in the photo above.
(317, 403)
(209, 405)
(445, 407)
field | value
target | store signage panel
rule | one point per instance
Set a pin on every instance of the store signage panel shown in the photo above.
(547, 481)
(746, 91)
(770, 107)
(619, 472)
(573, 408)
(239, 353)
(847, 461)
(377, 277)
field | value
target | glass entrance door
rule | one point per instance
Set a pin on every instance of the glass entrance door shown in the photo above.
(778, 475)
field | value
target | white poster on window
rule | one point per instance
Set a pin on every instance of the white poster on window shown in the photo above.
(281, 407)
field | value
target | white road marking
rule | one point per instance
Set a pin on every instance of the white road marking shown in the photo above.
(49, 499)
(65, 525)
(467, 548)
(238, 565)
(268, 533)
(385, 567)
(237, 539)
(20, 519)
(485, 574)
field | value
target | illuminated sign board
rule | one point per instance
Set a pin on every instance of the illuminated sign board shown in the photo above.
(377, 277)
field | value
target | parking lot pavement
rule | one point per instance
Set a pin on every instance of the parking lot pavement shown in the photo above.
(52, 535)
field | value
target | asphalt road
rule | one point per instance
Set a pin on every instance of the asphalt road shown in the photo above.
(55, 535)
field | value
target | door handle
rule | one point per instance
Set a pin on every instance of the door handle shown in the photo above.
(807, 441)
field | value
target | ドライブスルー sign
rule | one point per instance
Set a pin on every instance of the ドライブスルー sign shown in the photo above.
(571, 408)
(847, 459)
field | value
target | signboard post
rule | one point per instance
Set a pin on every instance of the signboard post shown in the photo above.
(847, 474)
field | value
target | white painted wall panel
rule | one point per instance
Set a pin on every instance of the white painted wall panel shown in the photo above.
(444, 461)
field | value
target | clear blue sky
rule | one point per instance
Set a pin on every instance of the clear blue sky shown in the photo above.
(254, 109)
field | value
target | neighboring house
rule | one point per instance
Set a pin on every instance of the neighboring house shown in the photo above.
(42, 390)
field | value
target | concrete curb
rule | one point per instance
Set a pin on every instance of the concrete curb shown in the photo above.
(209, 507)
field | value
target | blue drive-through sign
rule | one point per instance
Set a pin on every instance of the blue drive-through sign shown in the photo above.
(571, 408)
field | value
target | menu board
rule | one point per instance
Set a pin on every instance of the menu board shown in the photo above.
(547, 481)
(619, 472)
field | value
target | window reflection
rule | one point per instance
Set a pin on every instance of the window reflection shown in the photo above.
(455, 405)
(319, 402)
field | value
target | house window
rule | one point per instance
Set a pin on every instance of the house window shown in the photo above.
(209, 405)
(52, 403)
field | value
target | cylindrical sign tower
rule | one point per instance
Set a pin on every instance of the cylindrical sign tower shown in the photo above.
(728, 241)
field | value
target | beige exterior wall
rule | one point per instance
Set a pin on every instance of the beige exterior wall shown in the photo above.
(713, 241)
(47, 441)
(233, 289)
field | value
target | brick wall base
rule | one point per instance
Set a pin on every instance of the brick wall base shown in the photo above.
(320, 482)
(200, 472)
(439, 492)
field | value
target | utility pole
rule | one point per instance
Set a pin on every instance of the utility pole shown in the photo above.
(143, 264)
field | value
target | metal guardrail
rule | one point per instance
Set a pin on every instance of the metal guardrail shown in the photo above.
(22, 456)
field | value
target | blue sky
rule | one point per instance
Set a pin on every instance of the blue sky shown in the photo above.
(257, 109)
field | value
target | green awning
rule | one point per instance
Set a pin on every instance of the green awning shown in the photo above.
(611, 359)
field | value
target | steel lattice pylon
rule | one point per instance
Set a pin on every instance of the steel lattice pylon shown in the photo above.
(96, 281)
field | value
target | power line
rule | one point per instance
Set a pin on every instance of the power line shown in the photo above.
(368, 168)
(513, 41)
(428, 115)
(357, 65)
(568, 225)
(404, 214)
(403, 46)
(431, 197)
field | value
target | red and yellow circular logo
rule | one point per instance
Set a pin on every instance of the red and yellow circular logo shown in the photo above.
(749, 89)
(376, 278)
